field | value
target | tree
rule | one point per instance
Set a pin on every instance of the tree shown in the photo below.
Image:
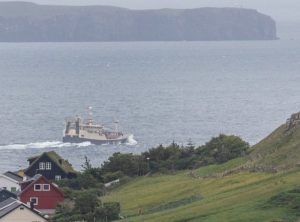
(128, 164)
(222, 148)
(86, 202)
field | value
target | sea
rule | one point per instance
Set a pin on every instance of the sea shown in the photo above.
(159, 91)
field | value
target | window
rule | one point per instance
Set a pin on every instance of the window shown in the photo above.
(46, 187)
(42, 165)
(13, 189)
(37, 187)
(48, 166)
(34, 200)
(41, 187)
(58, 177)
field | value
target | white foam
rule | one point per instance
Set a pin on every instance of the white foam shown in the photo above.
(131, 141)
(43, 145)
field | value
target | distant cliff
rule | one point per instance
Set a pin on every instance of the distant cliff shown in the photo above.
(20, 21)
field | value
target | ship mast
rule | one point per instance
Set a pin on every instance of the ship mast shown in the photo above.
(116, 122)
(90, 115)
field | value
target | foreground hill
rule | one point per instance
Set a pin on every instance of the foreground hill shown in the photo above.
(238, 197)
(20, 21)
(281, 149)
(242, 189)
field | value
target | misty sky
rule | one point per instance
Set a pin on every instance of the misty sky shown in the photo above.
(282, 10)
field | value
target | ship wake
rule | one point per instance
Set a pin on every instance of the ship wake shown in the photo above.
(43, 145)
(56, 144)
(131, 141)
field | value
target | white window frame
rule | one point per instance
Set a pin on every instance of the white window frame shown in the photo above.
(36, 202)
(42, 165)
(44, 187)
(41, 187)
(57, 177)
(48, 165)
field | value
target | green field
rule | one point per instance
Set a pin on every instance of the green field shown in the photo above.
(205, 194)
(238, 197)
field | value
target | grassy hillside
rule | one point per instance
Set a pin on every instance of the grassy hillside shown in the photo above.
(280, 149)
(181, 197)
(207, 195)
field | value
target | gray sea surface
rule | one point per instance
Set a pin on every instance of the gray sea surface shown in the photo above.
(160, 91)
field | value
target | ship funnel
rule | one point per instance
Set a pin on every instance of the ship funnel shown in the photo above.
(67, 127)
(77, 126)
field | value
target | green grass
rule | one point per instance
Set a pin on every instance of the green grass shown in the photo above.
(244, 196)
(215, 169)
(279, 149)
(238, 197)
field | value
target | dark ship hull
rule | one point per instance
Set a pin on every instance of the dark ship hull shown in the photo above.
(69, 139)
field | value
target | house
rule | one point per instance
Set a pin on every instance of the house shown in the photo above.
(12, 210)
(51, 166)
(43, 194)
(5, 194)
(10, 181)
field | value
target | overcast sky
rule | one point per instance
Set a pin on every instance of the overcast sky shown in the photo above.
(279, 9)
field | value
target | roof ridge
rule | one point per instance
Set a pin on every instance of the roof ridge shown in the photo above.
(15, 204)
(12, 173)
(9, 178)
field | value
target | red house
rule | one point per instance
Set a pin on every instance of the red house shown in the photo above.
(41, 193)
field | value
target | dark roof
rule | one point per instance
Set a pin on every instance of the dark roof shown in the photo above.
(60, 162)
(13, 176)
(8, 206)
(11, 204)
(5, 193)
(6, 202)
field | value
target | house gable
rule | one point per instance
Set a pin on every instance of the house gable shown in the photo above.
(43, 193)
(46, 167)
(14, 210)
(22, 214)
(9, 183)
(50, 165)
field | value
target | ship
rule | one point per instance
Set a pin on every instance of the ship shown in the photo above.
(78, 130)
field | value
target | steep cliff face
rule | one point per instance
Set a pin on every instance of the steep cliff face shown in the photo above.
(30, 22)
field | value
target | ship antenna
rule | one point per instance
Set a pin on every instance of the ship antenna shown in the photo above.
(90, 115)
(116, 125)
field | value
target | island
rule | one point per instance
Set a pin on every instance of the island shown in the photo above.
(29, 22)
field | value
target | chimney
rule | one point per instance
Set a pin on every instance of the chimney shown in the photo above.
(31, 205)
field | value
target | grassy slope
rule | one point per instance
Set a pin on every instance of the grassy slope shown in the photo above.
(216, 169)
(278, 149)
(238, 197)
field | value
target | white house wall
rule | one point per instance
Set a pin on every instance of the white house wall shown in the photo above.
(5, 182)
(22, 214)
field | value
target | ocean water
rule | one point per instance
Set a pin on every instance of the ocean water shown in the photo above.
(160, 92)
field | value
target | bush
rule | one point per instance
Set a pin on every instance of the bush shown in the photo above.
(222, 149)
(86, 202)
(128, 164)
